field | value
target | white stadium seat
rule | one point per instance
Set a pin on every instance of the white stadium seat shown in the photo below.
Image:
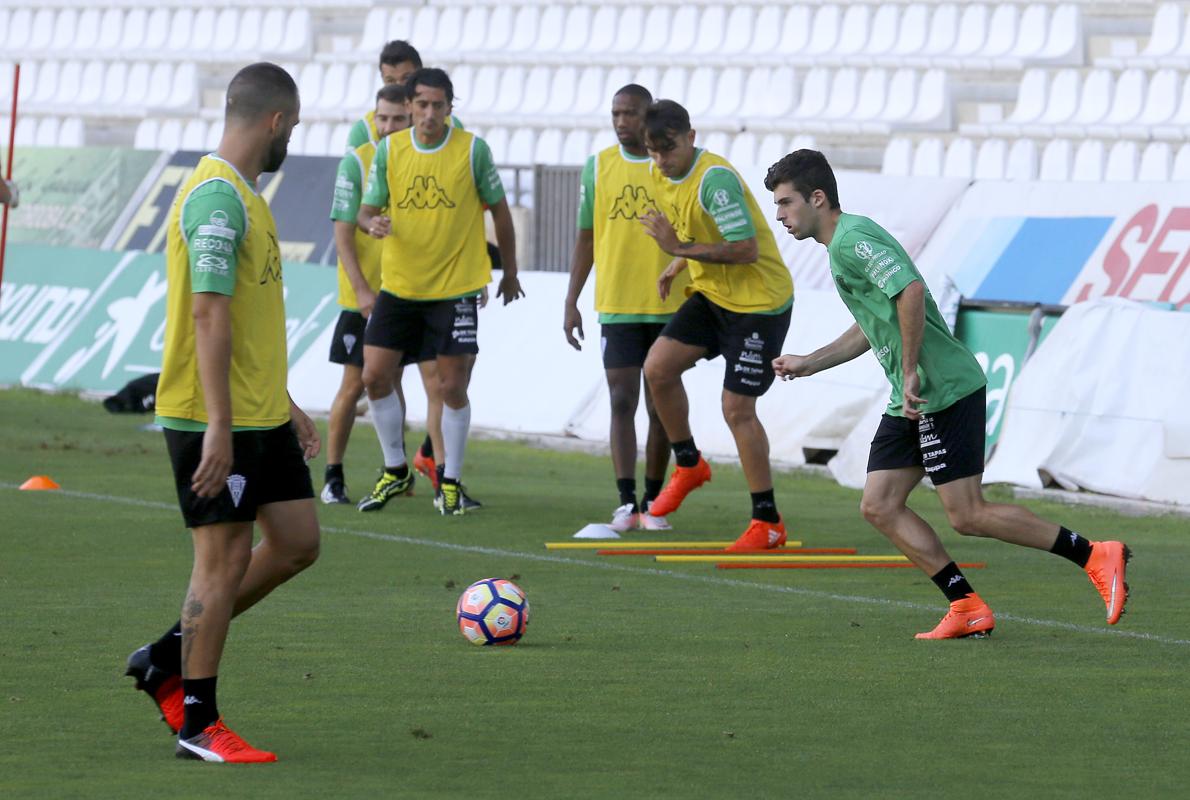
(520, 147)
(766, 31)
(630, 30)
(795, 30)
(603, 30)
(1161, 102)
(1093, 104)
(497, 139)
(1022, 162)
(1123, 161)
(1063, 97)
(169, 135)
(577, 30)
(40, 36)
(552, 30)
(898, 157)
(989, 160)
(156, 30)
(927, 158)
(682, 30)
(71, 134)
(740, 26)
(1088, 161)
(69, 82)
(711, 23)
(194, 135)
(576, 147)
(548, 149)
(1055, 161)
(90, 87)
(46, 133)
(1127, 100)
(1181, 164)
(374, 27)
(1155, 162)
(959, 161)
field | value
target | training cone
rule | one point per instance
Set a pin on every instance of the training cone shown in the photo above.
(40, 483)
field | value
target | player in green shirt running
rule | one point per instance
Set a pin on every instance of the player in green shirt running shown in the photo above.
(935, 421)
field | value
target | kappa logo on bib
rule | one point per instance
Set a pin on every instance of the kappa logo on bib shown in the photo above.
(425, 193)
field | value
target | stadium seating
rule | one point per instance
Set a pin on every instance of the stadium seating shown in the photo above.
(978, 89)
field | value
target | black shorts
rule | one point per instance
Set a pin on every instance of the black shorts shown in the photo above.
(747, 342)
(947, 444)
(420, 327)
(347, 343)
(267, 467)
(625, 344)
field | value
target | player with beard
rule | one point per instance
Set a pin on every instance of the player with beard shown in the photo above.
(237, 442)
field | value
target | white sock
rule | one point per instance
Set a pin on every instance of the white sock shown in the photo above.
(456, 423)
(389, 418)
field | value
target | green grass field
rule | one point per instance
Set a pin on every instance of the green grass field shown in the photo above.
(634, 679)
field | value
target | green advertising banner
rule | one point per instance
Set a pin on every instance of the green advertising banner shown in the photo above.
(93, 320)
(999, 340)
(73, 196)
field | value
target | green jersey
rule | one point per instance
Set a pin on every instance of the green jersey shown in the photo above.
(870, 269)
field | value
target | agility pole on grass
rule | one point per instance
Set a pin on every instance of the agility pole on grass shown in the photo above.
(12, 143)
(667, 546)
(778, 557)
(849, 565)
(706, 551)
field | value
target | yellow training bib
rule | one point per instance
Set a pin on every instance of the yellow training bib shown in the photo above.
(627, 260)
(259, 358)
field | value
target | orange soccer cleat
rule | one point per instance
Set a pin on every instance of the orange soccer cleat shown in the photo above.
(761, 535)
(1106, 569)
(164, 689)
(426, 466)
(220, 744)
(682, 482)
(967, 617)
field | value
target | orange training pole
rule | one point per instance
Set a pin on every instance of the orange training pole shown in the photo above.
(12, 140)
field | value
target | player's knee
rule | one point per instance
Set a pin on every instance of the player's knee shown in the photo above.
(967, 521)
(303, 552)
(656, 372)
(878, 511)
(623, 400)
(738, 411)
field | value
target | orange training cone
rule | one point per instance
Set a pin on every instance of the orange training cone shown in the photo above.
(40, 482)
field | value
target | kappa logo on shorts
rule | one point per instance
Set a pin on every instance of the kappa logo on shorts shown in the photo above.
(235, 485)
(425, 193)
(349, 341)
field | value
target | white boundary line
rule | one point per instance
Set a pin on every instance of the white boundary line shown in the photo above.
(625, 568)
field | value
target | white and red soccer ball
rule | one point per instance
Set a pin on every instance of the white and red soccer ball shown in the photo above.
(493, 611)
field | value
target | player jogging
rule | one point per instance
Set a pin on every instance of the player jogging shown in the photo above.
(934, 423)
(737, 305)
(237, 442)
(614, 195)
(426, 190)
(398, 60)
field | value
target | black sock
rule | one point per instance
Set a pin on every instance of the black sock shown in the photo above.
(764, 506)
(427, 448)
(334, 472)
(401, 471)
(652, 489)
(627, 489)
(200, 707)
(440, 470)
(952, 582)
(1072, 546)
(166, 653)
(686, 453)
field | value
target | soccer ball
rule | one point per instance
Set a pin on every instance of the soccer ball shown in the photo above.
(493, 611)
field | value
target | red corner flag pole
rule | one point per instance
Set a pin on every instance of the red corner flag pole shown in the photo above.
(12, 136)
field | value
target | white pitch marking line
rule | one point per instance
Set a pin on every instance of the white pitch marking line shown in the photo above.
(626, 568)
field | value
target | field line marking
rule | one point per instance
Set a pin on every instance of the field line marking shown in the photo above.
(620, 567)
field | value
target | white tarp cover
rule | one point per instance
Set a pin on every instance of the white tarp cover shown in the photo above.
(1102, 406)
